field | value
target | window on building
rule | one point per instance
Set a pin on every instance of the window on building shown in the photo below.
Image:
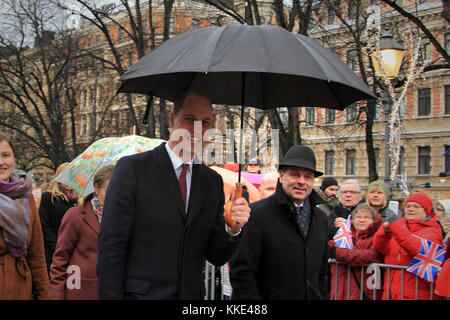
(329, 162)
(283, 112)
(352, 59)
(402, 110)
(424, 102)
(401, 162)
(130, 58)
(352, 113)
(352, 10)
(331, 15)
(447, 42)
(145, 26)
(378, 111)
(447, 160)
(377, 159)
(172, 25)
(195, 24)
(330, 116)
(427, 53)
(310, 115)
(121, 34)
(424, 160)
(447, 100)
(350, 162)
(98, 38)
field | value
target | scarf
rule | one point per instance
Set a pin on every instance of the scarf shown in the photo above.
(98, 208)
(15, 213)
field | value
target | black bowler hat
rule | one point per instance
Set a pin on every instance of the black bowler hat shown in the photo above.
(300, 156)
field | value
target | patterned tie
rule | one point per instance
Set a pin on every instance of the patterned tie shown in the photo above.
(303, 220)
(182, 181)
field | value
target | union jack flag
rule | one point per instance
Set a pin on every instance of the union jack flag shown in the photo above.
(428, 261)
(343, 237)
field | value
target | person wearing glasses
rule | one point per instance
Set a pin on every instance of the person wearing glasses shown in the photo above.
(349, 197)
(346, 276)
(400, 241)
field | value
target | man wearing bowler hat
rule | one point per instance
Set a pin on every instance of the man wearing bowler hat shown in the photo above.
(284, 252)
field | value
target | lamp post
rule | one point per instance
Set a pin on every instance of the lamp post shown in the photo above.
(390, 56)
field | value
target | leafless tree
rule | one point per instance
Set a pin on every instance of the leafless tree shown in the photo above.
(37, 66)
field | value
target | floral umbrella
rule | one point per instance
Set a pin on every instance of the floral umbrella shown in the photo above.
(81, 171)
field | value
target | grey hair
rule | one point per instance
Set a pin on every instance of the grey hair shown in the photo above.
(364, 207)
(352, 181)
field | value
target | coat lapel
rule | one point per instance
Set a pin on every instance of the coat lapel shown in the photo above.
(90, 218)
(198, 193)
(168, 179)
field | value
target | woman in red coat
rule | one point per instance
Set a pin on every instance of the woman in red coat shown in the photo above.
(400, 242)
(73, 271)
(365, 222)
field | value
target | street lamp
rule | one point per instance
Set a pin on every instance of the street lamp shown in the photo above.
(390, 56)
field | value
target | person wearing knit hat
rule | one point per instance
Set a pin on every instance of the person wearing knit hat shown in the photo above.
(400, 241)
(326, 184)
(377, 196)
(328, 191)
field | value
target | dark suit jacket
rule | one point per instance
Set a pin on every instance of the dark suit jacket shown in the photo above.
(148, 248)
(274, 261)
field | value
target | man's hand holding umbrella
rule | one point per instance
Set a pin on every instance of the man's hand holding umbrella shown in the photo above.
(240, 213)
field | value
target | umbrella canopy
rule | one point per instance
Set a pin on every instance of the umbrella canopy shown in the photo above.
(259, 66)
(80, 173)
(230, 179)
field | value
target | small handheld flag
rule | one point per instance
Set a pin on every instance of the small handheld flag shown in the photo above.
(428, 261)
(343, 237)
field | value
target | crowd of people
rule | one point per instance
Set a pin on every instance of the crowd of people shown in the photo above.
(153, 219)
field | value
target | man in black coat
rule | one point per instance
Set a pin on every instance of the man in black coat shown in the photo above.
(283, 253)
(163, 216)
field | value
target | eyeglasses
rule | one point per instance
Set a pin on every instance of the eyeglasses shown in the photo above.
(363, 218)
(351, 192)
(413, 206)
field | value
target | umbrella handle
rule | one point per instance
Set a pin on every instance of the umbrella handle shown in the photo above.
(238, 194)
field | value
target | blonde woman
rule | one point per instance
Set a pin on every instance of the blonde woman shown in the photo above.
(54, 203)
(377, 197)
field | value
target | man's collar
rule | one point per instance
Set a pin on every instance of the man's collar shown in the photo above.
(176, 161)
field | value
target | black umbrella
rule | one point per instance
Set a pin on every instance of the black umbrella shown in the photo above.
(258, 66)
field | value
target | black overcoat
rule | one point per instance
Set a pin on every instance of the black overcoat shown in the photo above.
(274, 260)
(148, 247)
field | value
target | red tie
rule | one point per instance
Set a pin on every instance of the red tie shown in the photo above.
(182, 181)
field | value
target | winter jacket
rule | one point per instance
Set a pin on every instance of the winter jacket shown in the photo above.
(51, 212)
(399, 246)
(274, 260)
(76, 256)
(362, 254)
(329, 205)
